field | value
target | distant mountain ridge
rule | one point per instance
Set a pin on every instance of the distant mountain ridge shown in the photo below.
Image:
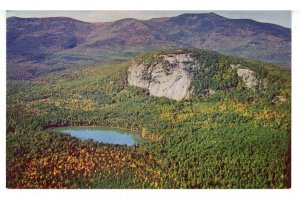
(36, 46)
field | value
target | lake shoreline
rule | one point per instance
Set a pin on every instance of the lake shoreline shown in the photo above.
(101, 134)
(142, 132)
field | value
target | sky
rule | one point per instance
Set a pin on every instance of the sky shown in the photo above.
(282, 18)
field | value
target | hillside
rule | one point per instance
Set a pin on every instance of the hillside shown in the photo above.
(179, 74)
(235, 137)
(38, 46)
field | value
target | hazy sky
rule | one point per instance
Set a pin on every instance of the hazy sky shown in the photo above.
(282, 18)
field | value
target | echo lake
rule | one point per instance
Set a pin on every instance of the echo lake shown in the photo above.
(104, 135)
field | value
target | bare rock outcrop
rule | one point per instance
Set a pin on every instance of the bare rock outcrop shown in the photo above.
(170, 76)
(249, 78)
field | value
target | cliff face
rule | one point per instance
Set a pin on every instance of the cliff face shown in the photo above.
(169, 77)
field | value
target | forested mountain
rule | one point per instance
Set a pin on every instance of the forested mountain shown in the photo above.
(37, 46)
(237, 136)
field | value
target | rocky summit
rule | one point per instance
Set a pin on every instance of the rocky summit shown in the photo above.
(170, 75)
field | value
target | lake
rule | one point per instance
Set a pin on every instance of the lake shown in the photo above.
(104, 135)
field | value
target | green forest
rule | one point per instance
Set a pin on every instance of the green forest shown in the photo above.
(234, 138)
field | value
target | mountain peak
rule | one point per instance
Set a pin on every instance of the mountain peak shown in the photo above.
(209, 15)
(212, 14)
(36, 41)
(44, 19)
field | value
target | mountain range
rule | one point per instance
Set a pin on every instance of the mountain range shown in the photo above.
(37, 46)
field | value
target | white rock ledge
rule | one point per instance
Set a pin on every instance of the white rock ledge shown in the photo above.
(169, 77)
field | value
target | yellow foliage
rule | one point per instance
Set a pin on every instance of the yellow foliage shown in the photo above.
(74, 102)
(265, 114)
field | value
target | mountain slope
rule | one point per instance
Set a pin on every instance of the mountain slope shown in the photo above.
(44, 34)
(180, 74)
(32, 41)
(38, 46)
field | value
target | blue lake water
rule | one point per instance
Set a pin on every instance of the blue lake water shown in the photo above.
(105, 135)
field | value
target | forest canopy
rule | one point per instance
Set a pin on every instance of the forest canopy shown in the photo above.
(235, 138)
